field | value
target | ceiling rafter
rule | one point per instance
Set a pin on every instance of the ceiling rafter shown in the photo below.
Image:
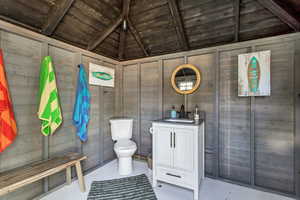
(56, 16)
(282, 13)
(98, 39)
(125, 13)
(178, 24)
(137, 37)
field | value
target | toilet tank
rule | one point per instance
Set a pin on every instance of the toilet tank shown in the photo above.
(121, 128)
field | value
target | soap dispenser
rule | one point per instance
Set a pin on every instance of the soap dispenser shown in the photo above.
(196, 113)
(182, 112)
(173, 112)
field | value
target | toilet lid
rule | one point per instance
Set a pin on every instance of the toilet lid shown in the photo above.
(125, 144)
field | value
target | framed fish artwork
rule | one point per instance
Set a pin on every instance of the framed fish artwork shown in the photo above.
(254, 74)
(101, 75)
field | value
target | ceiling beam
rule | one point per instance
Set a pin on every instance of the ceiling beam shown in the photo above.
(178, 24)
(125, 14)
(56, 16)
(237, 13)
(137, 37)
(282, 13)
(10, 20)
(122, 43)
(98, 39)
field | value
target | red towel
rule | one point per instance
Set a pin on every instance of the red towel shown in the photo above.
(8, 127)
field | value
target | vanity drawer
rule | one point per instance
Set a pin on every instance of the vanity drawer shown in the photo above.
(175, 176)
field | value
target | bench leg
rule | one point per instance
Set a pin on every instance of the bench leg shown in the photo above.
(69, 175)
(80, 177)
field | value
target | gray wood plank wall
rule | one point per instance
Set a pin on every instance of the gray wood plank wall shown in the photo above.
(234, 124)
(249, 141)
(22, 58)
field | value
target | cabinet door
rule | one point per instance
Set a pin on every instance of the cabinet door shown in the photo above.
(183, 149)
(163, 149)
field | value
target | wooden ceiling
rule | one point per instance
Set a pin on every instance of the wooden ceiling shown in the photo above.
(154, 27)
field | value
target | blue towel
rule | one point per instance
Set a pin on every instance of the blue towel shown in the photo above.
(81, 112)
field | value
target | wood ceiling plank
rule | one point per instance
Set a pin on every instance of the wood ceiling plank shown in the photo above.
(56, 16)
(178, 23)
(237, 4)
(102, 35)
(137, 37)
(283, 14)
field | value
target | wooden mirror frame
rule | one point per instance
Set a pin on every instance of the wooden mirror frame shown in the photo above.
(198, 76)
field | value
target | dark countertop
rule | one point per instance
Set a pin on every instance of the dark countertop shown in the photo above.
(179, 123)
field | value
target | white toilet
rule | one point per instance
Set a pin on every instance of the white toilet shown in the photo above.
(121, 132)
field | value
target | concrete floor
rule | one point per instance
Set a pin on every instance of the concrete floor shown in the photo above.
(210, 189)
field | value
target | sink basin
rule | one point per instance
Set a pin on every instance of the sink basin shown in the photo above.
(179, 120)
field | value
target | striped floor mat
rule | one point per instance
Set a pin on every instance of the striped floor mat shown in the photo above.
(130, 188)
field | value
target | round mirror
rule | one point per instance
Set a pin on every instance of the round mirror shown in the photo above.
(186, 79)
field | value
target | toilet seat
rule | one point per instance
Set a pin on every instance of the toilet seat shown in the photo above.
(125, 144)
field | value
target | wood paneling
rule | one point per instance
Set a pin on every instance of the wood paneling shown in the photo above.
(149, 103)
(131, 99)
(22, 70)
(252, 141)
(95, 139)
(65, 138)
(274, 123)
(108, 110)
(22, 57)
(234, 131)
(170, 97)
(204, 98)
(297, 115)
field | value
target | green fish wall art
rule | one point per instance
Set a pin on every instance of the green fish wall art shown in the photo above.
(254, 74)
(101, 75)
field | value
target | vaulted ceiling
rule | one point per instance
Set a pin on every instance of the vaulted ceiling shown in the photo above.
(152, 27)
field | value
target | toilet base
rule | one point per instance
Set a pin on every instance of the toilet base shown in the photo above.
(125, 166)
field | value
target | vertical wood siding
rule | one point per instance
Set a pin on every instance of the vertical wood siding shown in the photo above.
(149, 103)
(170, 97)
(204, 98)
(22, 57)
(234, 131)
(274, 123)
(65, 138)
(130, 99)
(250, 141)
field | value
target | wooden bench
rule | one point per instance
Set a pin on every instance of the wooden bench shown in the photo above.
(16, 178)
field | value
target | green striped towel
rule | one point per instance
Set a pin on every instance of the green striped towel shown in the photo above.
(49, 110)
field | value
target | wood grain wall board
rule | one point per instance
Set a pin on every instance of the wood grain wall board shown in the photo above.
(234, 124)
(297, 116)
(276, 142)
(64, 139)
(130, 99)
(95, 139)
(170, 97)
(149, 103)
(108, 112)
(204, 98)
(22, 71)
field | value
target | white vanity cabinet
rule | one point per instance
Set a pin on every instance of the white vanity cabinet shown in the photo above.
(178, 154)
